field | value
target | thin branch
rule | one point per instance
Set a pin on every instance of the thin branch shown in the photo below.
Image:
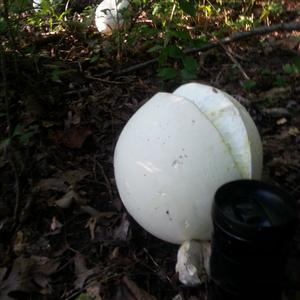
(237, 36)
(235, 62)
(262, 30)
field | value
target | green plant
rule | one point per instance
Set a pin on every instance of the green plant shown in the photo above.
(271, 8)
(249, 84)
(21, 135)
(51, 14)
(280, 81)
(292, 68)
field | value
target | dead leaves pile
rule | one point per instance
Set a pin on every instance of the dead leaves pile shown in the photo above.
(27, 275)
(65, 184)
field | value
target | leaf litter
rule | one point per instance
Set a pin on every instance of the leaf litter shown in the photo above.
(77, 241)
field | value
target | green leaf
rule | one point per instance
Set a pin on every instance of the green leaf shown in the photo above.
(187, 75)
(4, 143)
(280, 81)
(3, 26)
(291, 68)
(248, 84)
(188, 7)
(173, 52)
(83, 296)
(19, 130)
(190, 64)
(94, 58)
(167, 73)
(155, 48)
(181, 35)
(200, 41)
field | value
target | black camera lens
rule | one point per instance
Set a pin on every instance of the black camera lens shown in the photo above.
(253, 226)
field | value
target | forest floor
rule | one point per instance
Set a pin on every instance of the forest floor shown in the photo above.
(70, 237)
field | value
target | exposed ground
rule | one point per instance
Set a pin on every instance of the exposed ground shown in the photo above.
(71, 236)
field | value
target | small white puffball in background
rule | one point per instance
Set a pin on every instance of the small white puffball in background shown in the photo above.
(108, 15)
(36, 4)
(171, 158)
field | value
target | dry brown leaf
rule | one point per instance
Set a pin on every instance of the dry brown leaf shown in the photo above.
(19, 243)
(276, 112)
(276, 93)
(44, 265)
(123, 293)
(55, 225)
(2, 273)
(26, 275)
(75, 137)
(115, 253)
(81, 271)
(281, 121)
(91, 225)
(18, 279)
(138, 293)
(66, 200)
(54, 184)
(94, 291)
(122, 232)
(97, 214)
(74, 176)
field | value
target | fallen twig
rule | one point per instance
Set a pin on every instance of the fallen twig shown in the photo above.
(104, 80)
(237, 36)
(106, 179)
(235, 62)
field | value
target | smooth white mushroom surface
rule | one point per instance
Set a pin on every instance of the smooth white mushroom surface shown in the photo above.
(232, 121)
(171, 158)
(108, 15)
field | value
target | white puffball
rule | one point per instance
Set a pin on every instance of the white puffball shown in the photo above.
(108, 15)
(232, 121)
(171, 158)
(36, 4)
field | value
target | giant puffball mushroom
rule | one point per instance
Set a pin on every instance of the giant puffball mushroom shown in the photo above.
(233, 122)
(108, 15)
(172, 156)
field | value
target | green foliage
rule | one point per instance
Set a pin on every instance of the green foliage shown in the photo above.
(19, 6)
(51, 14)
(280, 81)
(190, 68)
(21, 135)
(167, 73)
(3, 26)
(271, 8)
(174, 25)
(249, 84)
(188, 7)
(292, 68)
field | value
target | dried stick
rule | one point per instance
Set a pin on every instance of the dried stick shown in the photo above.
(262, 30)
(235, 62)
